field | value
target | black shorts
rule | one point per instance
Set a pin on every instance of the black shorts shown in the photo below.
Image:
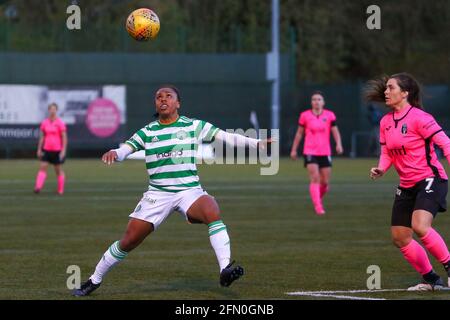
(322, 161)
(52, 157)
(429, 194)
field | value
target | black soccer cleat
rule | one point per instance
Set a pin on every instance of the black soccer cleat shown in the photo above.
(230, 274)
(86, 289)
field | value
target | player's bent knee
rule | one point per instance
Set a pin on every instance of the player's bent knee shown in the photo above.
(401, 241)
(132, 240)
(128, 244)
(420, 229)
(315, 179)
(212, 217)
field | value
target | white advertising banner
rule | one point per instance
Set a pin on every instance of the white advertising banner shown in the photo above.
(91, 113)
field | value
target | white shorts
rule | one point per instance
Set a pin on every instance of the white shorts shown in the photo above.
(156, 206)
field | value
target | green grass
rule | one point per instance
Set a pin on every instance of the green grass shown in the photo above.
(275, 235)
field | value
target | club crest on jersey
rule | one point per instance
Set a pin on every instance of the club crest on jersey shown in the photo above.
(181, 135)
(404, 129)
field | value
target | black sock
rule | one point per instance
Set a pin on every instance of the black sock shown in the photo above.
(447, 266)
(431, 277)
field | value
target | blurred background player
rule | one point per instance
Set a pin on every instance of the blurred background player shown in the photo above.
(51, 149)
(407, 137)
(170, 144)
(316, 124)
(374, 117)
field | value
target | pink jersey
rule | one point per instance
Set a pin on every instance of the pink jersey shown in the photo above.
(317, 132)
(407, 140)
(53, 131)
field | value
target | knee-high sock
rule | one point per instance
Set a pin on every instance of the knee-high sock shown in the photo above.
(61, 181)
(110, 258)
(40, 179)
(324, 188)
(417, 257)
(434, 243)
(220, 241)
(314, 191)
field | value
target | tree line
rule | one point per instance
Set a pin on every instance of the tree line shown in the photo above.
(328, 39)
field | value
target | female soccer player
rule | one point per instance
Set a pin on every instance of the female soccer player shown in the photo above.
(170, 144)
(51, 149)
(316, 124)
(407, 137)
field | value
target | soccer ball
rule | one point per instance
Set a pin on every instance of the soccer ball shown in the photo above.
(143, 24)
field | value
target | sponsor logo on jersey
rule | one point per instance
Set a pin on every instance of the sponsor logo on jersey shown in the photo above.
(155, 139)
(388, 128)
(397, 152)
(171, 154)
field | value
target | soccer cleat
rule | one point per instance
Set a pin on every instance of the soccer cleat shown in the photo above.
(86, 289)
(438, 285)
(230, 274)
(37, 191)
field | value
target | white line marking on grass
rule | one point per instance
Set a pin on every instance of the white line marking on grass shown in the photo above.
(342, 294)
(321, 295)
(347, 291)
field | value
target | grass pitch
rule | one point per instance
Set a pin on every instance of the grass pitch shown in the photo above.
(274, 232)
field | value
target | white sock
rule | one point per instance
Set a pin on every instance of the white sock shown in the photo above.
(220, 241)
(110, 258)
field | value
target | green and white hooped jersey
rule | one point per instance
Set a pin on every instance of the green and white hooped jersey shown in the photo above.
(170, 152)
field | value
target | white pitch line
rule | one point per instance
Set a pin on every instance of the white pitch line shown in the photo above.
(345, 291)
(342, 294)
(321, 295)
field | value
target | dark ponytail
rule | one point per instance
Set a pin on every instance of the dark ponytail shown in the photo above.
(374, 90)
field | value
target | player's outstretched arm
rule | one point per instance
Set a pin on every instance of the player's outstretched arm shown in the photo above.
(117, 154)
(237, 140)
(109, 157)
